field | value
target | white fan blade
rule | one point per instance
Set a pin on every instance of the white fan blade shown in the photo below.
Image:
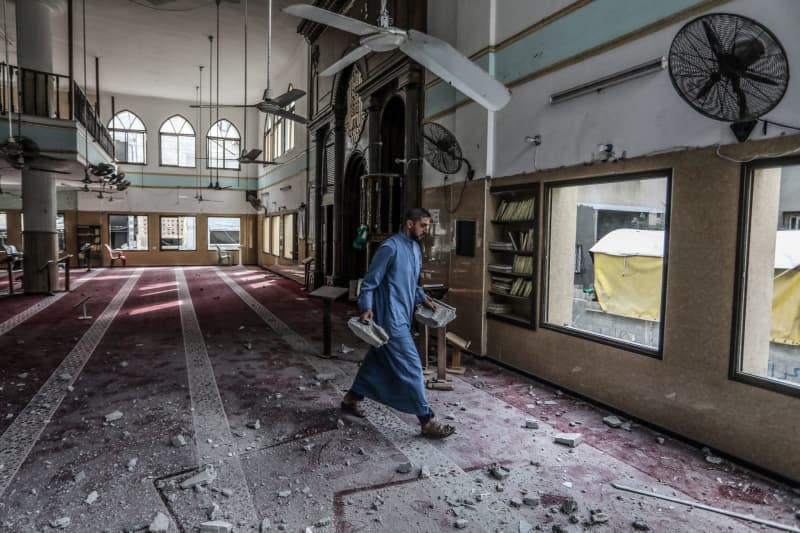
(453, 67)
(328, 18)
(348, 59)
(288, 114)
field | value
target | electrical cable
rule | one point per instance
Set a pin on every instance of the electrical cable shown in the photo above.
(755, 157)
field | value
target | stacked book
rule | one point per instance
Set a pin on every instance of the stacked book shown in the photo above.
(521, 240)
(502, 284)
(515, 210)
(502, 246)
(521, 287)
(499, 308)
(523, 264)
(503, 269)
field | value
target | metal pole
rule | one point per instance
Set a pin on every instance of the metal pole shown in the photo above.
(71, 48)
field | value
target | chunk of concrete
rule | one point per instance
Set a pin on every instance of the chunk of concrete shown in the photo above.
(640, 525)
(92, 497)
(569, 506)
(254, 425)
(569, 439)
(115, 415)
(461, 523)
(60, 523)
(424, 472)
(499, 471)
(327, 376)
(265, 525)
(178, 441)
(284, 493)
(531, 424)
(612, 421)
(525, 527)
(201, 478)
(160, 524)
(404, 468)
(216, 526)
(713, 459)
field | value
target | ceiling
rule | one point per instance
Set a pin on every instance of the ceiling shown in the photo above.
(153, 47)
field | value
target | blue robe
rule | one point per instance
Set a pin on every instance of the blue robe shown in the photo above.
(392, 374)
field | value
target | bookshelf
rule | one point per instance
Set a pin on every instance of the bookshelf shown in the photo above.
(512, 255)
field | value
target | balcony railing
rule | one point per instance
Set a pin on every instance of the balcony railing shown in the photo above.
(44, 94)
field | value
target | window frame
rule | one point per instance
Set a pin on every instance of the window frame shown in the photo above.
(267, 246)
(656, 353)
(126, 250)
(177, 136)
(213, 247)
(160, 237)
(224, 141)
(143, 132)
(747, 181)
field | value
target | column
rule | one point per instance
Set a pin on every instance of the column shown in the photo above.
(760, 271)
(39, 233)
(411, 84)
(34, 52)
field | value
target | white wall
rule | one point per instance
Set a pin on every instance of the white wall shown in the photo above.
(640, 116)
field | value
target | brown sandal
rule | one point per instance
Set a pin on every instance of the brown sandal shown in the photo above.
(435, 430)
(353, 408)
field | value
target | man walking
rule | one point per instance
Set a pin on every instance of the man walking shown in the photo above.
(392, 374)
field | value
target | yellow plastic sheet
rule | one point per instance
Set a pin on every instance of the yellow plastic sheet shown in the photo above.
(628, 285)
(786, 307)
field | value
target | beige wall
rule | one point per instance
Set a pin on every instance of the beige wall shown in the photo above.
(688, 391)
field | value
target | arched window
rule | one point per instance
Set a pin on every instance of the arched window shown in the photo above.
(130, 138)
(278, 133)
(223, 145)
(177, 139)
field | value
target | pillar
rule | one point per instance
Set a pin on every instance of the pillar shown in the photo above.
(34, 52)
(39, 233)
(760, 270)
(561, 255)
(411, 85)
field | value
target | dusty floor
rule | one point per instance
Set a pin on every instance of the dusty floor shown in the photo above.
(212, 371)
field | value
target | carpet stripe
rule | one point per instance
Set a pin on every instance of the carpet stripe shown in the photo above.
(21, 317)
(212, 430)
(18, 440)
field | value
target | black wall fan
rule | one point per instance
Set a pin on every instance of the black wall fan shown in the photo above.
(441, 150)
(730, 68)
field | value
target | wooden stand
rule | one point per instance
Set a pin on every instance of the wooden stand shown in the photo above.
(328, 294)
(440, 382)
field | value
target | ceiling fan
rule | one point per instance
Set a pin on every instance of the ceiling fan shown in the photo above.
(275, 106)
(432, 53)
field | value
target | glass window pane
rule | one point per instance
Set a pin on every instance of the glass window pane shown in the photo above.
(178, 233)
(223, 231)
(267, 235)
(60, 233)
(605, 259)
(186, 145)
(169, 149)
(3, 228)
(128, 232)
(288, 236)
(275, 223)
(771, 329)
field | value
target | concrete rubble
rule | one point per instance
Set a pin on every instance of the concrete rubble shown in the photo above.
(113, 416)
(204, 477)
(569, 439)
(216, 526)
(160, 524)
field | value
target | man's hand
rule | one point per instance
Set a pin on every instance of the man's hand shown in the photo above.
(366, 316)
(429, 303)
